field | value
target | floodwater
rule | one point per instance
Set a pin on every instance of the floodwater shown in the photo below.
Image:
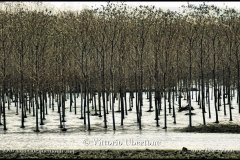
(127, 136)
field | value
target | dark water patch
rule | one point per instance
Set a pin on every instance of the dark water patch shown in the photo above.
(186, 108)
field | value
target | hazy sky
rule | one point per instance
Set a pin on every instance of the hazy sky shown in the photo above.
(164, 5)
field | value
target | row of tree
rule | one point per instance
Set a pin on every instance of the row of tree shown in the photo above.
(117, 49)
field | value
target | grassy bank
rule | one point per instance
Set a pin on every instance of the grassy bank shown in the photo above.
(119, 154)
(212, 128)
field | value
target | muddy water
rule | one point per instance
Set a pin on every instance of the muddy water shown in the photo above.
(127, 136)
(134, 140)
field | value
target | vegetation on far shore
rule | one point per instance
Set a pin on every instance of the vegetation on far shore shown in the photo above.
(120, 154)
(212, 128)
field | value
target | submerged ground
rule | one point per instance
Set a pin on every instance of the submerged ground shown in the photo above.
(127, 136)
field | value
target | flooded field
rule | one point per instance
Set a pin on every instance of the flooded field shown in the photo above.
(127, 136)
(75, 60)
